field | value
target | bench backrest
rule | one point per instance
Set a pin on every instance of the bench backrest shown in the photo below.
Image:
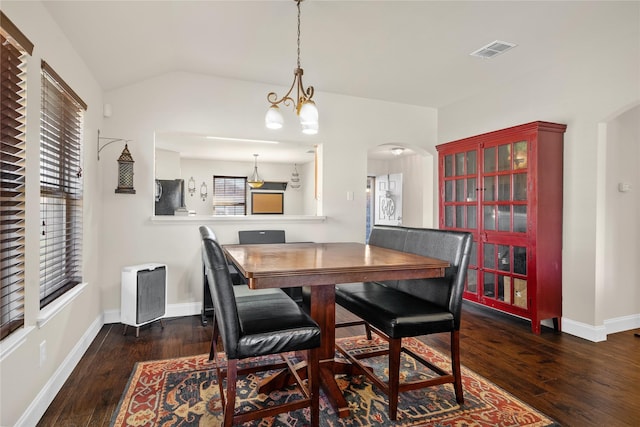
(391, 238)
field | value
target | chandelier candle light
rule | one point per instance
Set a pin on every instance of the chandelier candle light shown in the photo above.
(305, 107)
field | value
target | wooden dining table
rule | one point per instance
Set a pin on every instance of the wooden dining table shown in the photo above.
(321, 266)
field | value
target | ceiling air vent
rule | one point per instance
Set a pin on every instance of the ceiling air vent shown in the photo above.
(492, 49)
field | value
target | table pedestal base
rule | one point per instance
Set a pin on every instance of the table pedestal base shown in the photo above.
(328, 370)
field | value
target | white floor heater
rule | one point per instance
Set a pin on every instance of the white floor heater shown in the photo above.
(144, 295)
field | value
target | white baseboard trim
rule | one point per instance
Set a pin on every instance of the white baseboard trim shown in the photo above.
(111, 316)
(620, 324)
(38, 407)
(599, 333)
(184, 309)
(173, 310)
(583, 330)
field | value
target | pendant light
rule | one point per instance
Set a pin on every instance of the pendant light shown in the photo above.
(295, 178)
(303, 104)
(255, 181)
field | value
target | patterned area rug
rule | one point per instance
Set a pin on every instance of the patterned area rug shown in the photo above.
(184, 392)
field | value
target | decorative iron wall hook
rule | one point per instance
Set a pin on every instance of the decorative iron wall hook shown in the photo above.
(109, 141)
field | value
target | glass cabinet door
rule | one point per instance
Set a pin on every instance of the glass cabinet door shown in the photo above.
(504, 187)
(472, 272)
(460, 196)
(461, 190)
(504, 199)
(504, 276)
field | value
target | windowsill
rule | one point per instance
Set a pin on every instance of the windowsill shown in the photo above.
(13, 341)
(56, 306)
(163, 219)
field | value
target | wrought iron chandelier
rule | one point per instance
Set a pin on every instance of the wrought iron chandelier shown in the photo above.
(303, 104)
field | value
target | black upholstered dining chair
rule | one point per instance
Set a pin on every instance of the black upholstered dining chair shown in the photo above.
(410, 308)
(250, 327)
(241, 289)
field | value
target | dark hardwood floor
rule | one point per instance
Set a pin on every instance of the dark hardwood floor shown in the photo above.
(575, 382)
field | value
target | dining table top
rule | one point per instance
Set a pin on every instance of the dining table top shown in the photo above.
(316, 264)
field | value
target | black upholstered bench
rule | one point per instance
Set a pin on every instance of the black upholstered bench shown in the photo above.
(407, 308)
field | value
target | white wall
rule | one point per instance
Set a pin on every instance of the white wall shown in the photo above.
(580, 92)
(167, 164)
(308, 183)
(26, 387)
(622, 230)
(209, 105)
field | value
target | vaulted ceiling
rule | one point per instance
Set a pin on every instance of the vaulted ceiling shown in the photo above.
(413, 52)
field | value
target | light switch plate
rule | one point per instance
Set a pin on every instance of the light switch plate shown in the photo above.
(624, 187)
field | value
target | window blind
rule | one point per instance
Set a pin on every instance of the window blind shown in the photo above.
(61, 123)
(229, 195)
(13, 54)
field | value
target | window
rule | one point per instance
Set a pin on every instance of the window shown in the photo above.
(13, 62)
(229, 195)
(61, 123)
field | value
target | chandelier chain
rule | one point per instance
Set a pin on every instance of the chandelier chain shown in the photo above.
(298, 33)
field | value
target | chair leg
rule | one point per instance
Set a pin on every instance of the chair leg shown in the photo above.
(232, 376)
(367, 327)
(313, 378)
(214, 338)
(395, 346)
(214, 356)
(455, 366)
